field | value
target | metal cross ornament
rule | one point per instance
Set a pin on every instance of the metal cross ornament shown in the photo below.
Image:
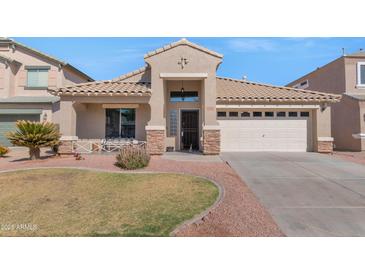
(183, 61)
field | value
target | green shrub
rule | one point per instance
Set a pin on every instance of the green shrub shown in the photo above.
(132, 157)
(34, 135)
(3, 151)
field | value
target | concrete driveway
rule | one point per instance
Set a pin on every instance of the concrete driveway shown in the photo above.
(308, 194)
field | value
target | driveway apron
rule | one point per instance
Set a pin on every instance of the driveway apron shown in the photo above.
(307, 194)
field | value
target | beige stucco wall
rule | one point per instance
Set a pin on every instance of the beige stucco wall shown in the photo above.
(167, 62)
(321, 125)
(329, 78)
(65, 117)
(362, 122)
(47, 110)
(4, 80)
(345, 123)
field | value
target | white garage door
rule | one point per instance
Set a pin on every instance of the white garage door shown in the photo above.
(265, 134)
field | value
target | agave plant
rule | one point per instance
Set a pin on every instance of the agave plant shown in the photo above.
(34, 135)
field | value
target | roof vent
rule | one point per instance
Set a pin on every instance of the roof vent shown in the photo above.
(244, 78)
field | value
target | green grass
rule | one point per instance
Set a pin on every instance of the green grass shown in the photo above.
(71, 202)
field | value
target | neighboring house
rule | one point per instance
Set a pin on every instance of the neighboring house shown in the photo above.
(345, 76)
(25, 76)
(177, 101)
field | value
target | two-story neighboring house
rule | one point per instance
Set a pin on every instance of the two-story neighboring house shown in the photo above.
(25, 76)
(346, 76)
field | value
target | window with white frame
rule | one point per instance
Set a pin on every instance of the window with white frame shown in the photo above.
(361, 74)
(37, 77)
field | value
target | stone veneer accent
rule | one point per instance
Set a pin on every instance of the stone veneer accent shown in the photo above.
(325, 146)
(211, 141)
(155, 142)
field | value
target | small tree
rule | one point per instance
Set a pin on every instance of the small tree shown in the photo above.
(34, 135)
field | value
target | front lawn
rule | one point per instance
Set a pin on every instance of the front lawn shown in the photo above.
(71, 202)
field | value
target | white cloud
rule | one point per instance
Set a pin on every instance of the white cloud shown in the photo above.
(252, 44)
(271, 45)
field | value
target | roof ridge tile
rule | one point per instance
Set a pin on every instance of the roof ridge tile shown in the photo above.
(132, 73)
(182, 41)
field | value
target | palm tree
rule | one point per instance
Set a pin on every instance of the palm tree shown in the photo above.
(34, 135)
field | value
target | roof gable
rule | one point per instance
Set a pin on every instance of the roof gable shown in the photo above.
(180, 43)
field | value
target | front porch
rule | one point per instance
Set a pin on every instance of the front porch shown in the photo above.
(101, 123)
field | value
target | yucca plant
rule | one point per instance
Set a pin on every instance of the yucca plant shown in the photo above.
(34, 135)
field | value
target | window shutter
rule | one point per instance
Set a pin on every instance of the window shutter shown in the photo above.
(52, 78)
(22, 80)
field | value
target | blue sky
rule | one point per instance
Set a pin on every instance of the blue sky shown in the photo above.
(269, 60)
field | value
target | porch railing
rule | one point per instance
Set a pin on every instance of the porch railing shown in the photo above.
(103, 145)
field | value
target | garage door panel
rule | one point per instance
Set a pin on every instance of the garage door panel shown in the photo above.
(7, 123)
(264, 134)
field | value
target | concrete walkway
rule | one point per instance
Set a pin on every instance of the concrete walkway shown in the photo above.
(194, 156)
(308, 194)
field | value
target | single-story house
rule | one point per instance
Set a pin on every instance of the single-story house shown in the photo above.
(177, 102)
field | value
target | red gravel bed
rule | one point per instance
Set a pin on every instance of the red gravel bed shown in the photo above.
(239, 213)
(356, 157)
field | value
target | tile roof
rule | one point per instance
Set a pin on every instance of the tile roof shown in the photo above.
(117, 87)
(182, 42)
(230, 90)
(130, 74)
